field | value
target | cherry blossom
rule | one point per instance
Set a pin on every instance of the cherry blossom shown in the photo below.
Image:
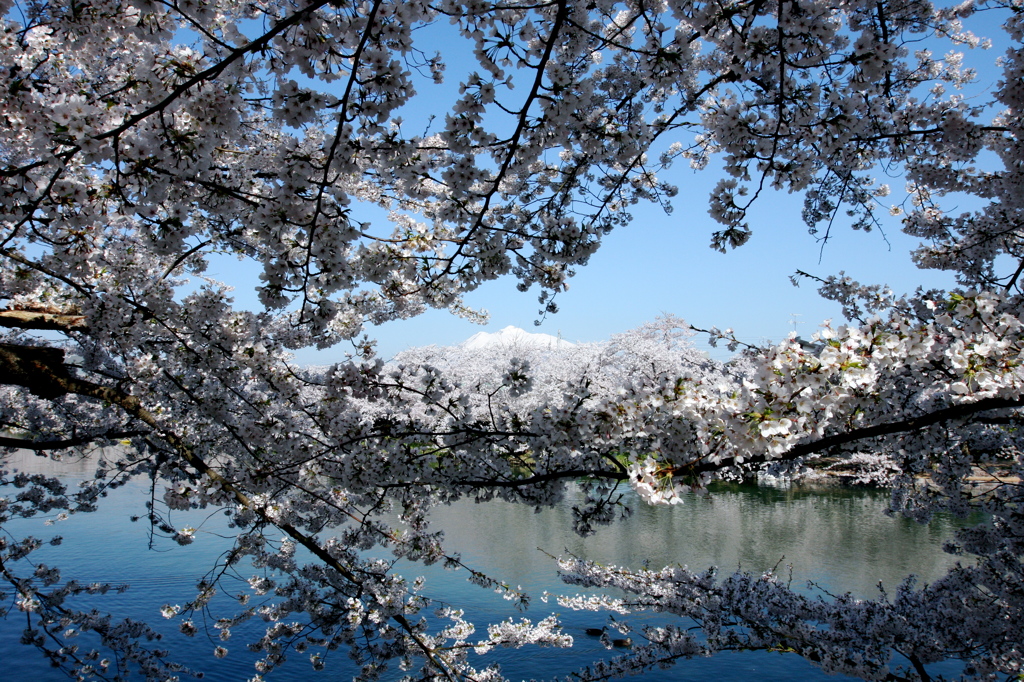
(143, 140)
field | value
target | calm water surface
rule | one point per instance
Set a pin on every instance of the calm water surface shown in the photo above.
(840, 539)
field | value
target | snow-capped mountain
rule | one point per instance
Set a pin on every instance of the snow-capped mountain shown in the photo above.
(512, 337)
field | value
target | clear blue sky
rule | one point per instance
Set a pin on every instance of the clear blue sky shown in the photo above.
(662, 264)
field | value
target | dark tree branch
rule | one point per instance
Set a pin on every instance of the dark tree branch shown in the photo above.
(42, 371)
(214, 71)
(908, 425)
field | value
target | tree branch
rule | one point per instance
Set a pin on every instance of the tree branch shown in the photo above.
(886, 429)
(41, 369)
(212, 72)
(27, 319)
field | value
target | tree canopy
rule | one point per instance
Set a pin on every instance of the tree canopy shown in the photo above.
(143, 139)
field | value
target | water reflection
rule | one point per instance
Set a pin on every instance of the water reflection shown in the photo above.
(839, 538)
(67, 467)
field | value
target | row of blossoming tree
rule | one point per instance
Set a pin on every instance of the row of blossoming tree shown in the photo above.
(143, 138)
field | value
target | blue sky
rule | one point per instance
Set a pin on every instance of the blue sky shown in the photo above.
(662, 263)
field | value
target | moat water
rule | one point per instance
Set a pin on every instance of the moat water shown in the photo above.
(838, 539)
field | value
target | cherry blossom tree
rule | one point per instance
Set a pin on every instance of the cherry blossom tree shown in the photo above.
(143, 140)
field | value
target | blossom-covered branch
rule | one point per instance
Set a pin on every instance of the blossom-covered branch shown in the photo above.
(144, 140)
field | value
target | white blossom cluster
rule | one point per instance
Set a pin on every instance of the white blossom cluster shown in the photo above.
(141, 140)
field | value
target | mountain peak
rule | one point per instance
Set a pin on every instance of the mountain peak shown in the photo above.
(513, 337)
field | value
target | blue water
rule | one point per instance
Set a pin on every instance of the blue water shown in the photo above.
(839, 539)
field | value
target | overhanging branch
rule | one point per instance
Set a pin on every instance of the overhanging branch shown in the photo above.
(41, 369)
(908, 425)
